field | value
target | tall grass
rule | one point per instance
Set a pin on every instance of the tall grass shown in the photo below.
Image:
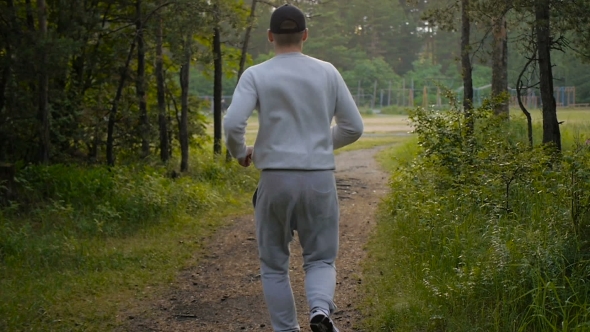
(80, 243)
(482, 234)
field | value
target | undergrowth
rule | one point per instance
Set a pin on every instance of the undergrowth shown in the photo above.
(482, 232)
(78, 243)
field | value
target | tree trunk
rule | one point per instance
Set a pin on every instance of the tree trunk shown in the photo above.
(244, 53)
(6, 59)
(519, 87)
(30, 16)
(551, 134)
(500, 64)
(93, 146)
(3, 136)
(140, 83)
(7, 190)
(184, 86)
(466, 68)
(43, 104)
(115, 106)
(4, 80)
(217, 91)
(162, 120)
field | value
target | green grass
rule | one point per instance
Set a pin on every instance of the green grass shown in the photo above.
(100, 278)
(109, 274)
(86, 243)
(372, 142)
(447, 255)
(386, 278)
(575, 128)
(571, 117)
(397, 156)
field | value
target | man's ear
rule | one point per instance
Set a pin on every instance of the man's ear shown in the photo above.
(305, 34)
(270, 36)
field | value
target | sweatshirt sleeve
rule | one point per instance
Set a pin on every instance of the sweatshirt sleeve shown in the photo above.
(243, 104)
(349, 124)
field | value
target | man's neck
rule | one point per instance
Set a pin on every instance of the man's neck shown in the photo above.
(288, 49)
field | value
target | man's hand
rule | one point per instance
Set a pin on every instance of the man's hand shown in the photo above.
(247, 160)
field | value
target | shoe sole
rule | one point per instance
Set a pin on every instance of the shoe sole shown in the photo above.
(321, 323)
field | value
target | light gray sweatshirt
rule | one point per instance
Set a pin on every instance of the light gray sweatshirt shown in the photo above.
(297, 98)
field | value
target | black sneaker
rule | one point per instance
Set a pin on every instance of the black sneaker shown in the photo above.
(321, 323)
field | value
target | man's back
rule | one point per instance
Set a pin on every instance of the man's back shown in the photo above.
(297, 97)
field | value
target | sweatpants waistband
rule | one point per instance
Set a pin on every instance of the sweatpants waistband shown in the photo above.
(295, 170)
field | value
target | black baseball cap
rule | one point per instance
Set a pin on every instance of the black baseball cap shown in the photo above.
(287, 13)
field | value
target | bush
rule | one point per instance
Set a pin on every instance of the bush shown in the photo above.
(483, 232)
(85, 202)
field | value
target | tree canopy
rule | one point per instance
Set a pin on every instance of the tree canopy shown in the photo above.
(78, 78)
(104, 80)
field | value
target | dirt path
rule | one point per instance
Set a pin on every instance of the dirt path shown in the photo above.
(223, 293)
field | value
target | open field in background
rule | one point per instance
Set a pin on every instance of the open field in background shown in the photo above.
(379, 130)
(384, 129)
(573, 115)
(575, 127)
(568, 115)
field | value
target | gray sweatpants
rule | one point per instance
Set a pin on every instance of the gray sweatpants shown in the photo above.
(305, 201)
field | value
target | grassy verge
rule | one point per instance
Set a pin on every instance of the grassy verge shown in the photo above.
(489, 238)
(82, 243)
(372, 142)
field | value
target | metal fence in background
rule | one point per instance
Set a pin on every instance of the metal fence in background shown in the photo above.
(428, 96)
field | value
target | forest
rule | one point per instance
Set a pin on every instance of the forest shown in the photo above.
(111, 153)
(93, 81)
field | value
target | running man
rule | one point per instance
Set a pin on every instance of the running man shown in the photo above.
(297, 98)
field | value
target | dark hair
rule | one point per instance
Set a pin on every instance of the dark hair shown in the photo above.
(288, 39)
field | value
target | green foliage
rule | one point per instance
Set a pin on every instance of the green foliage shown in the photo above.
(482, 232)
(427, 74)
(368, 72)
(91, 54)
(97, 201)
(201, 84)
